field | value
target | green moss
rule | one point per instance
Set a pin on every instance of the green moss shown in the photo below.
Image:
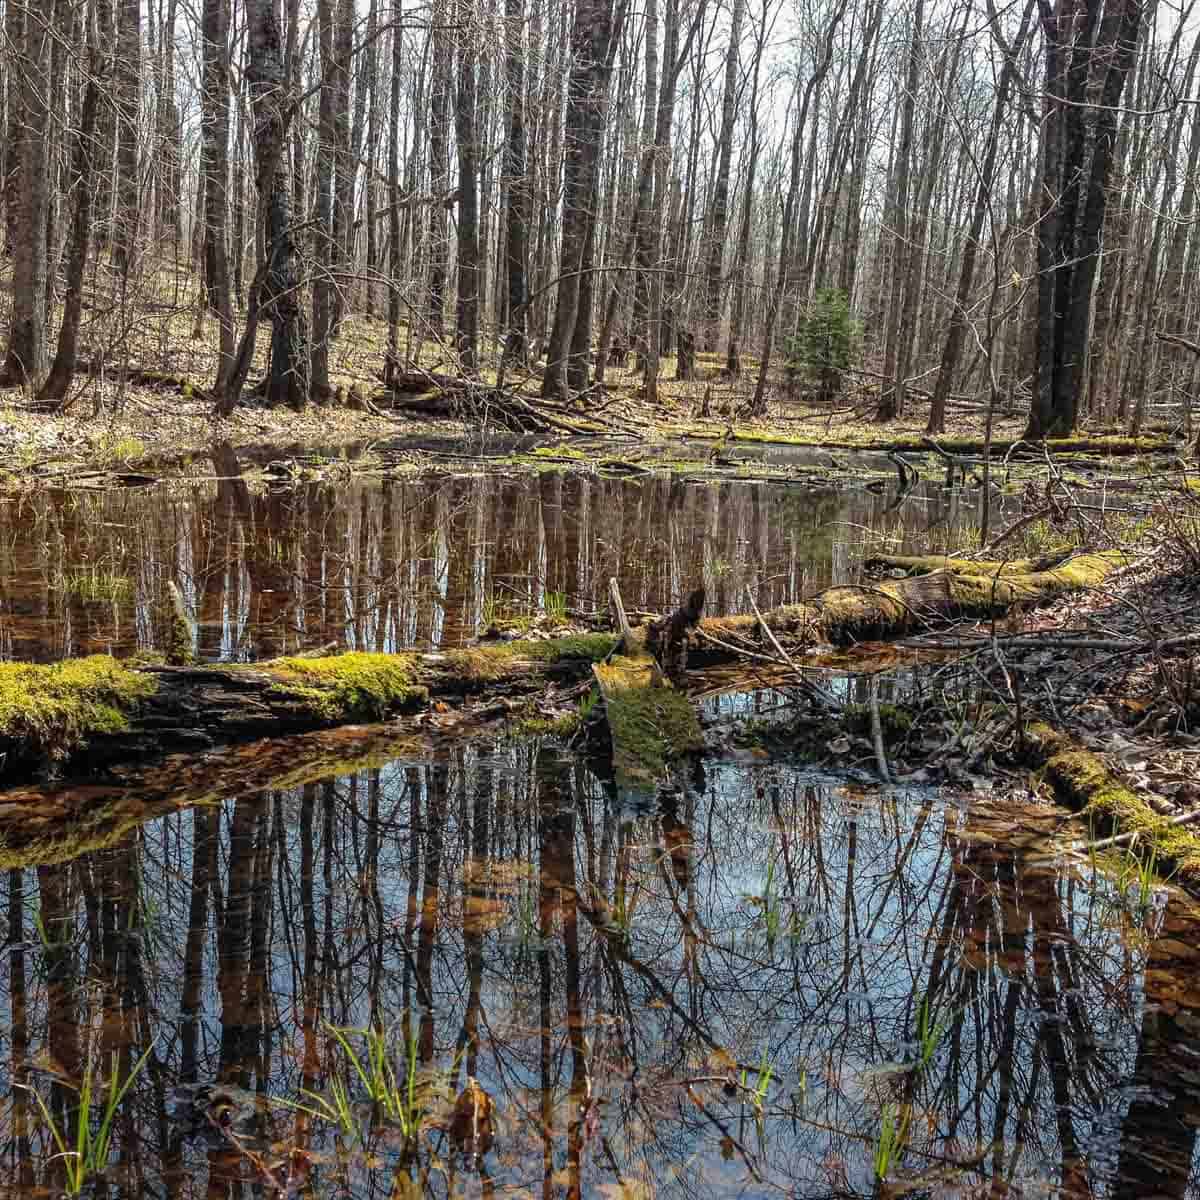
(53, 710)
(556, 727)
(181, 634)
(498, 660)
(348, 687)
(894, 720)
(1081, 780)
(651, 723)
(921, 563)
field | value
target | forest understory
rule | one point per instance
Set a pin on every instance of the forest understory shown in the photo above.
(144, 405)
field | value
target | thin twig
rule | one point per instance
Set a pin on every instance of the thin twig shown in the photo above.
(877, 730)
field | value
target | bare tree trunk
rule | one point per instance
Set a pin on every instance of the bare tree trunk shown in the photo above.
(952, 349)
(653, 231)
(14, 34)
(466, 128)
(270, 89)
(128, 106)
(741, 273)
(169, 198)
(324, 284)
(890, 395)
(58, 382)
(516, 183)
(1074, 203)
(214, 166)
(395, 257)
(345, 168)
(586, 95)
(720, 204)
(758, 406)
(439, 167)
(370, 185)
(25, 358)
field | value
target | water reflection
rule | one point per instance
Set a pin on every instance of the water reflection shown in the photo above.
(613, 983)
(415, 562)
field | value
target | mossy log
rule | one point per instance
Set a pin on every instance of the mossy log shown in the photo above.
(950, 590)
(88, 713)
(1083, 783)
(650, 722)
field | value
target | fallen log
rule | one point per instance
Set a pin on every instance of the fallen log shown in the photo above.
(95, 711)
(650, 723)
(1084, 784)
(895, 607)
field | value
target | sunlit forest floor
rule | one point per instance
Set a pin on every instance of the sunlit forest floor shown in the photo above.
(148, 352)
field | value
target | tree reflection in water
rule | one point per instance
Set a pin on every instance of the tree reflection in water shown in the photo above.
(397, 563)
(600, 973)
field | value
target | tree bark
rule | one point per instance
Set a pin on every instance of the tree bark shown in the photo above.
(587, 92)
(516, 184)
(324, 285)
(890, 391)
(467, 132)
(25, 358)
(952, 349)
(720, 203)
(214, 167)
(439, 167)
(345, 165)
(1073, 205)
(128, 108)
(288, 370)
(395, 254)
(58, 381)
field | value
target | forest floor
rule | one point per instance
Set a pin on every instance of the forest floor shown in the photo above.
(159, 414)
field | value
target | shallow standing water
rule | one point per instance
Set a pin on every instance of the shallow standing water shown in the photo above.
(766, 983)
(394, 563)
(606, 977)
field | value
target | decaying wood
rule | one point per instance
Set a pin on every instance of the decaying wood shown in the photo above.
(650, 723)
(199, 707)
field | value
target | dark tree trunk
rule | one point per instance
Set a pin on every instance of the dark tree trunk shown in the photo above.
(720, 203)
(439, 166)
(395, 259)
(323, 286)
(465, 125)
(129, 93)
(59, 380)
(516, 184)
(1074, 201)
(345, 168)
(288, 371)
(26, 354)
(586, 96)
(214, 166)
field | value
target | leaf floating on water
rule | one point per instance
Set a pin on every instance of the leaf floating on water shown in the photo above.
(721, 1060)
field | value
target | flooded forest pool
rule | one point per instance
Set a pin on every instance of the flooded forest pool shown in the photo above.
(768, 982)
